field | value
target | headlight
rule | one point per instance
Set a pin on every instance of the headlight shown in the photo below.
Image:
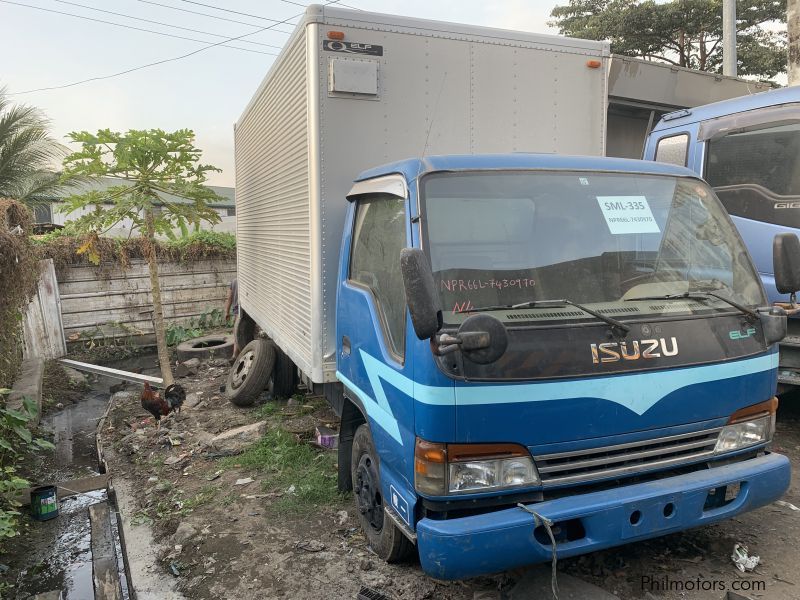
(440, 469)
(750, 426)
(481, 475)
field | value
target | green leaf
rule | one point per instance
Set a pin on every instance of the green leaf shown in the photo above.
(44, 444)
(30, 406)
(23, 432)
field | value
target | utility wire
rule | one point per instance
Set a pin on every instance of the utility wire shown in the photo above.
(163, 61)
(110, 12)
(194, 12)
(170, 35)
(235, 12)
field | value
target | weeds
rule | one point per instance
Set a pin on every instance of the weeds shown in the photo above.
(171, 502)
(195, 327)
(285, 463)
(16, 440)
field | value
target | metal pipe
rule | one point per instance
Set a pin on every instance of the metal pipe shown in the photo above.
(729, 37)
(113, 373)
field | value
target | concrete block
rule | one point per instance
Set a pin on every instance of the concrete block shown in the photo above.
(28, 384)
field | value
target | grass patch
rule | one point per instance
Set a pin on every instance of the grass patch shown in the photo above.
(283, 462)
(267, 410)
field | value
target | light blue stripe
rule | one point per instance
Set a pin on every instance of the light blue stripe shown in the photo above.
(379, 411)
(638, 392)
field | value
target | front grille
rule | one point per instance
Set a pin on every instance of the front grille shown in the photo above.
(625, 460)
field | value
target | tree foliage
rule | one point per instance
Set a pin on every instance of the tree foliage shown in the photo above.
(686, 33)
(155, 166)
(28, 154)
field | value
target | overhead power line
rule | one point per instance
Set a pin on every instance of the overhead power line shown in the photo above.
(169, 35)
(234, 12)
(194, 12)
(110, 12)
(163, 61)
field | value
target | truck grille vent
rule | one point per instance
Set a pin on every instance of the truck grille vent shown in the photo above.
(549, 315)
(625, 460)
(617, 311)
(673, 307)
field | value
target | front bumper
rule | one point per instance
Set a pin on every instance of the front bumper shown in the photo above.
(496, 541)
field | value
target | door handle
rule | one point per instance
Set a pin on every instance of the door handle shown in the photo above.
(345, 345)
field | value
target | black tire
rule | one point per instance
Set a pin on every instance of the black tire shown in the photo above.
(208, 346)
(250, 372)
(284, 376)
(383, 536)
(244, 330)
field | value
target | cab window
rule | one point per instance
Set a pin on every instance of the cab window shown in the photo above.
(673, 149)
(378, 236)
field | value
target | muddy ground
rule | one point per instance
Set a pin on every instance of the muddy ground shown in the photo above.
(265, 540)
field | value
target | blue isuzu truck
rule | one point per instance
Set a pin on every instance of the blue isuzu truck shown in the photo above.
(529, 353)
(747, 149)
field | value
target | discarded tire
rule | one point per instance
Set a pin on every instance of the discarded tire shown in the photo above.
(208, 346)
(284, 376)
(244, 330)
(250, 372)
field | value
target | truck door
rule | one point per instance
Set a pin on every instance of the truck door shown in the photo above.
(372, 327)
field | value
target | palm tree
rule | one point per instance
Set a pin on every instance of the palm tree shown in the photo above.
(28, 154)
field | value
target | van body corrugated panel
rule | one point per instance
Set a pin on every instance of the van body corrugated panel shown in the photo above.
(273, 225)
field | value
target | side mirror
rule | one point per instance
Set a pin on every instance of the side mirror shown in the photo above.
(484, 338)
(421, 295)
(773, 323)
(786, 263)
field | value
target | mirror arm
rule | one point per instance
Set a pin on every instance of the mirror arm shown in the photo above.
(444, 343)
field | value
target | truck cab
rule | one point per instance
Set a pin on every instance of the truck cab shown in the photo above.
(747, 149)
(542, 352)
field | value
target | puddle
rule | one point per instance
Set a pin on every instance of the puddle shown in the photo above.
(56, 554)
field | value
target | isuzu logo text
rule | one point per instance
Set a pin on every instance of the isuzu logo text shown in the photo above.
(633, 350)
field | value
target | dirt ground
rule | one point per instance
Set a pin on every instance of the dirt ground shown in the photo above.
(246, 541)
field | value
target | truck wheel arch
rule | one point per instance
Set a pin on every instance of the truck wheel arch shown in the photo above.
(352, 416)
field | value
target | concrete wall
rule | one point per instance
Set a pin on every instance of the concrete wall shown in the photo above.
(107, 301)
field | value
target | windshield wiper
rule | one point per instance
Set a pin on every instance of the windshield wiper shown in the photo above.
(554, 304)
(750, 313)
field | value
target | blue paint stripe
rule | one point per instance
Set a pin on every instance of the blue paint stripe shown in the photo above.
(636, 391)
(379, 411)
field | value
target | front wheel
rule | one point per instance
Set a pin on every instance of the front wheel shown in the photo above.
(383, 536)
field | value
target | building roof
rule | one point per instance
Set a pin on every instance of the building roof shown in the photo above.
(104, 183)
(414, 167)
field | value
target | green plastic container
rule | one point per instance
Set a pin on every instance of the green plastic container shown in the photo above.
(44, 503)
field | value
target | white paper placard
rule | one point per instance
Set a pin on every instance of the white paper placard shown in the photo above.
(627, 214)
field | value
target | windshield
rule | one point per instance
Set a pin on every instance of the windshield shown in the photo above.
(598, 239)
(756, 174)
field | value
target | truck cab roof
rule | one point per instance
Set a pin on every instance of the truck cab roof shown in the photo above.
(685, 117)
(414, 167)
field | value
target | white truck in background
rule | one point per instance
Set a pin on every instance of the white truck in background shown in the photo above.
(354, 89)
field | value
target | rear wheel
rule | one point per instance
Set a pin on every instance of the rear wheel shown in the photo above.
(250, 372)
(383, 536)
(244, 330)
(284, 376)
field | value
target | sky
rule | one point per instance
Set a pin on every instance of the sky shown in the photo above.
(205, 92)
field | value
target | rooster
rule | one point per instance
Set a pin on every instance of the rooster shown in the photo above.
(159, 407)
